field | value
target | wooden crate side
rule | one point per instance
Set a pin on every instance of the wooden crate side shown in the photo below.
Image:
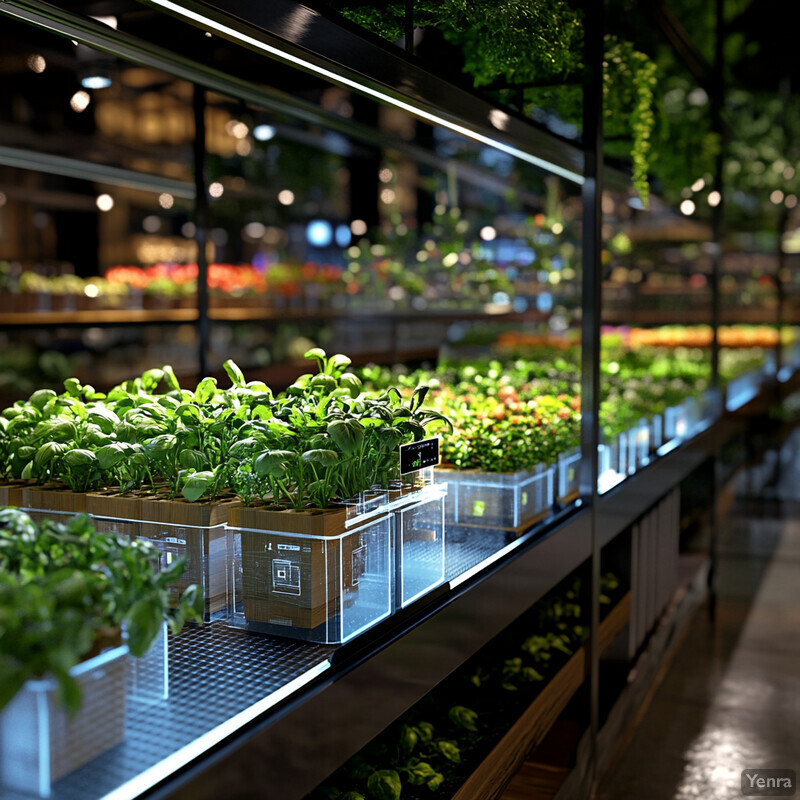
(11, 493)
(493, 774)
(325, 522)
(496, 770)
(614, 623)
(177, 511)
(113, 504)
(54, 498)
(316, 577)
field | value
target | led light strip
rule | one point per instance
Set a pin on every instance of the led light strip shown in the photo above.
(91, 171)
(509, 548)
(180, 758)
(384, 97)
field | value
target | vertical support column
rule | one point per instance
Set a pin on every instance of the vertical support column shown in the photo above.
(409, 27)
(717, 100)
(593, 26)
(785, 93)
(780, 263)
(201, 225)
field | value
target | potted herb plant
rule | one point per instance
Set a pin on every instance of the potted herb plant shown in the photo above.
(73, 602)
(315, 477)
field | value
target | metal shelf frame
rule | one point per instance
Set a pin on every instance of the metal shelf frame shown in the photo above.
(309, 731)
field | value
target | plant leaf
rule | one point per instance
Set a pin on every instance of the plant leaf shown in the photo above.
(384, 784)
(205, 390)
(234, 373)
(325, 458)
(197, 484)
(347, 435)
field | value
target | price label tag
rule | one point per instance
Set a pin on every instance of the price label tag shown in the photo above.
(418, 455)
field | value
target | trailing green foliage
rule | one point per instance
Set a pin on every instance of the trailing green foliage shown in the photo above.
(536, 46)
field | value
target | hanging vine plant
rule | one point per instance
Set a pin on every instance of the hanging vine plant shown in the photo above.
(517, 46)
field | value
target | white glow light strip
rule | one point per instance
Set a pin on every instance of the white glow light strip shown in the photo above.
(465, 576)
(229, 32)
(180, 758)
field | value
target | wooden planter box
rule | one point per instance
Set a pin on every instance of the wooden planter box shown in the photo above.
(115, 513)
(52, 502)
(494, 772)
(40, 743)
(309, 574)
(11, 493)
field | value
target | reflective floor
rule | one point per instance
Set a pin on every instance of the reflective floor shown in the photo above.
(731, 698)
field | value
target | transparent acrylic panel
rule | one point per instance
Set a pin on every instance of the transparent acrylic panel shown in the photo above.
(313, 587)
(40, 743)
(205, 551)
(419, 531)
(430, 245)
(501, 500)
(656, 340)
(149, 675)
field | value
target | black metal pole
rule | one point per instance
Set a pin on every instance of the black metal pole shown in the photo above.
(717, 100)
(593, 26)
(409, 26)
(783, 220)
(201, 225)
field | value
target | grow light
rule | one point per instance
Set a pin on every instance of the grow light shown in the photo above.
(230, 33)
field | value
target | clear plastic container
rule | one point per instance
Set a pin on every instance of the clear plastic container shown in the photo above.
(680, 420)
(568, 471)
(638, 446)
(326, 583)
(40, 743)
(656, 432)
(195, 531)
(327, 576)
(510, 500)
(148, 676)
(205, 550)
(743, 389)
(419, 535)
(710, 406)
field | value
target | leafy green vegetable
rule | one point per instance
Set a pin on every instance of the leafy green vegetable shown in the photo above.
(384, 784)
(63, 583)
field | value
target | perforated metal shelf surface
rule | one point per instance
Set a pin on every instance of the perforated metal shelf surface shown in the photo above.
(467, 547)
(215, 673)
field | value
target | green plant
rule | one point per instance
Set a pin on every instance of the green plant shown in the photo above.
(63, 584)
(521, 45)
(323, 441)
(437, 743)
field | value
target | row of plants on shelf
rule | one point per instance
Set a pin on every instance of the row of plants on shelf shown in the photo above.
(328, 437)
(320, 442)
(434, 747)
(368, 281)
(731, 336)
(514, 415)
(442, 264)
(167, 285)
(67, 591)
